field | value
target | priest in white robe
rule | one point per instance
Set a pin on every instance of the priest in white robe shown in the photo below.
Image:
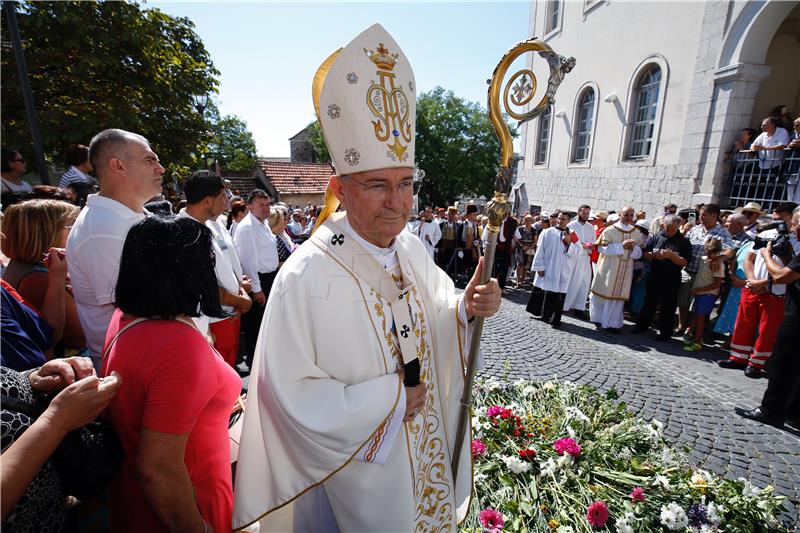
(353, 401)
(619, 245)
(429, 231)
(581, 265)
(556, 246)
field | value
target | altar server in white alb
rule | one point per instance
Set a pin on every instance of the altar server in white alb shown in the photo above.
(619, 245)
(556, 247)
(353, 404)
(581, 265)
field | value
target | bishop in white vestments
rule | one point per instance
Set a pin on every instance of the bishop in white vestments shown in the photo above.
(354, 398)
(619, 245)
(581, 264)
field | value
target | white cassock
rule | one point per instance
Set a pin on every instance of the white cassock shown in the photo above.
(580, 267)
(429, 233)
(323, 445)
(552, 258)
(612, 283)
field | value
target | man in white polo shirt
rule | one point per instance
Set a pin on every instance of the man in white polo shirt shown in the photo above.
(770, 144)
(129, 175)
(206, 200)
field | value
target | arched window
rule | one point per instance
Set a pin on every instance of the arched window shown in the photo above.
(583, 126)
(543, 137)
(645, 98)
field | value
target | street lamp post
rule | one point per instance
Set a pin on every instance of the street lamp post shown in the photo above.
(10, 11)
(200, 102)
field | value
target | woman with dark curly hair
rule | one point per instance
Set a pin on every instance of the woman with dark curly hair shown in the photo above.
(172, 412)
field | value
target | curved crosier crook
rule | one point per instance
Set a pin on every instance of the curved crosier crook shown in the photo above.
(522, 87)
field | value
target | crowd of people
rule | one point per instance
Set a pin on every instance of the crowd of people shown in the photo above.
(116, 301)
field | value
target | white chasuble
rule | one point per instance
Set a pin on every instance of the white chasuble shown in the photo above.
(615, 264)
(325, 396)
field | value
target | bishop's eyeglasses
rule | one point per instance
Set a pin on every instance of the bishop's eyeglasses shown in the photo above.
(381, 190)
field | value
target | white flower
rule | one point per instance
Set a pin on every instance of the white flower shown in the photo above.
(698, 478)
(571, 432)
(565, 529)
(625, 523)
(657, 425)
(653, 434)
(674, 517)
(749, 490)
(549, 385)
(548, 468)
(493, 383)
(515, 464)
(661, 481)
(577, 414)
(715, 512)
(565, 461)
(527, 390)
(480, 476)
(520, 383)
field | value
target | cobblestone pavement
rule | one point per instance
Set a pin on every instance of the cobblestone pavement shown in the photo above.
(689, 393)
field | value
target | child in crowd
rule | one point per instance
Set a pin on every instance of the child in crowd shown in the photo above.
(705, 290)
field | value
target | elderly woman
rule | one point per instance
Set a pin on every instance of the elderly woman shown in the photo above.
(31, 228)
(278, 222)
(172, 413)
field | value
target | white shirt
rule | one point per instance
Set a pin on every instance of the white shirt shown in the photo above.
(10, 186)
(94, 250)
(586, 234)
(224, 266)
(257, 249)
(771, 158)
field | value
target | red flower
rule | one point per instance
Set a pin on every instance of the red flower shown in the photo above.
(491, 519)
(637, 494)
(478, 448)
(527, 454)
(597, 514)
(567, 445)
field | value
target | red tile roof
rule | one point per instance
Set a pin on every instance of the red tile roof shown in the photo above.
(296, 178)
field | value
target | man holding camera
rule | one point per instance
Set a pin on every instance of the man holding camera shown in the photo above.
(781, 401)
(761, 307)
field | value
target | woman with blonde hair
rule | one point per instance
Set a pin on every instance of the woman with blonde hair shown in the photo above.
(31, 228)
(278, 221)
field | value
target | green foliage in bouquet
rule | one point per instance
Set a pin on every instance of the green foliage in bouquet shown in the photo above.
(560, 457)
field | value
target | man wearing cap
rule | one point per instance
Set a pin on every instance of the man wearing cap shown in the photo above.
(353, 407)
(752, 211)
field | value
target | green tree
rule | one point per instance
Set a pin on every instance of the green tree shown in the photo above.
(456, 147)
(231, 143)
(103, 64)
(318, 143)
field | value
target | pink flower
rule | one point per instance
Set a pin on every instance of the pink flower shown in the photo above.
(478, 448)
(493, 411)
(597, 514)
(493, 520)
(637, 494)
(567, 445)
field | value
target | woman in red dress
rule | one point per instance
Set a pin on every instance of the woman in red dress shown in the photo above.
(173, 409)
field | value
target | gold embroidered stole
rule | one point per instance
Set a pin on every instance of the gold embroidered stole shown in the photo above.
(426, 440)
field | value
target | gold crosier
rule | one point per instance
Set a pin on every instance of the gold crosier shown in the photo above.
(519, 91)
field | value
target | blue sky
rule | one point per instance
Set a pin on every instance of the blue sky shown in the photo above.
(267, 53)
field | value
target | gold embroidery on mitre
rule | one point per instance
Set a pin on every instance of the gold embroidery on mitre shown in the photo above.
(389, 105)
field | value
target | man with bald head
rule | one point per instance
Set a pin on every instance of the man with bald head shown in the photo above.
(130, 174)
(619, 245)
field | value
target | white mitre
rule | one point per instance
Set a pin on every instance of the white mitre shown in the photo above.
(365, 99)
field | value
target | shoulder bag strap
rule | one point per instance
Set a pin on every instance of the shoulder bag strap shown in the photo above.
(119, 333)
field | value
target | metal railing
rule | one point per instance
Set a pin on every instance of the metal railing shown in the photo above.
(766, 177)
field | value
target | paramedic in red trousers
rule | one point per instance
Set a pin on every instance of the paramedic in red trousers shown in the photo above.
(781, 401)
(761, 306)
(206, 200)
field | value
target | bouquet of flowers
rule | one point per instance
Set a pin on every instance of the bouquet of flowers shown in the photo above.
(560, 457)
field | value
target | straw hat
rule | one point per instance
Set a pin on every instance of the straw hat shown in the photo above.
(753, 207)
